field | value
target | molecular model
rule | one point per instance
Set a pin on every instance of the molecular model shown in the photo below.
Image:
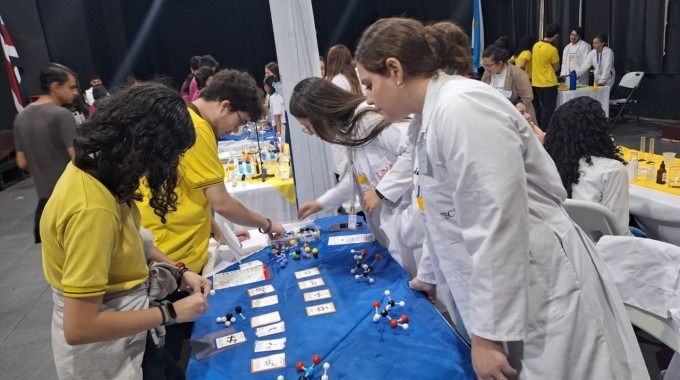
(229, 319)
(309, 372)
(385, 313)
(307, 234)
(361, 269)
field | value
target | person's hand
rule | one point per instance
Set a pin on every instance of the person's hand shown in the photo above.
(430, 290)
(195, 283)
(277, 230)
(489, 360)
(371, 201)
(242, 234)
(561, 78)
(191, 307)
(308, 209)
(540, 135)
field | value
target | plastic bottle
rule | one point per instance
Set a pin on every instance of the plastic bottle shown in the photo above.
(249, 168)
(572, 80)
(241, 169)
(284, 162)
(661, 174)
(633, 167)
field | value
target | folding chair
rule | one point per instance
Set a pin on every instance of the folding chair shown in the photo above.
(593, 218)
(629, 83)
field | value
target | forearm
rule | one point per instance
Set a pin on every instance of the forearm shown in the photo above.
(231, 209)
(160, 257)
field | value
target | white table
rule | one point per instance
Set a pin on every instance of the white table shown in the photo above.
(601, 95)
(262, 198)
(657, 213)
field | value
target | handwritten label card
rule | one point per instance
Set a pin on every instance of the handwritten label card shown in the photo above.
(313, 283)
(230, 340)
(307, 273)
(317, 295)
(265, 301)
(324, 308)
(265, 319)
(268, 363)
(270, 345)
(276, 328)
(260, 290)
(351, 239)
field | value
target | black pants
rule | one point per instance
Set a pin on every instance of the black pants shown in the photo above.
(36, 220)
(547, 101)
(176, 334)
(157, 364)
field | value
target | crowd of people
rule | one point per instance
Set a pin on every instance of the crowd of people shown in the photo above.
(462, 180)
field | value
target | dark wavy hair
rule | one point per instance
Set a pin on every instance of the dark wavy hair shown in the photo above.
(422, 50)
(339, 62)
(525, 43)
(239, 88)
(141, 130)
(331, 110)
(579, 129)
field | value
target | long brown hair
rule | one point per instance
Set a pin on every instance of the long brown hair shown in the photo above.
(339, 61)
(421, 50)
(332, 112)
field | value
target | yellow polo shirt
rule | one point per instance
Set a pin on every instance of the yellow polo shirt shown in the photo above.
(523, 56)
(91, 244)
(543, 56)
(185, 235)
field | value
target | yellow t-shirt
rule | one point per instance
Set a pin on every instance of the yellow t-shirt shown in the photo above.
(185, 235)
(543, 57)
(523, 56)
(91, 244)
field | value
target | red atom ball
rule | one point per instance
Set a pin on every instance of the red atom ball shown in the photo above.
(394, 323)
(378, 256)
(404, 318)
(363, 252)
(300, 366)
(376, 304)
(316, 359)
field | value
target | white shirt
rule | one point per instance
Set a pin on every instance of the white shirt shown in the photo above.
(603, 64)
(604, 182)
(341, 81)
(276, 107)
(339, 152)
(573, 56)
(89, 97)
(498, 80)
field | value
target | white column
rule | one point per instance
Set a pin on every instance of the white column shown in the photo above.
(298, 58)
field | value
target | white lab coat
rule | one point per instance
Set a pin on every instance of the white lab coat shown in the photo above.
(573, 56)
(604, 182)
(386, 163)
(603, 65)
(338, 152)
(519, 269)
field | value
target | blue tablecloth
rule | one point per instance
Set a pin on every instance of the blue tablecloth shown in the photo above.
(355, 346)
(266, 136)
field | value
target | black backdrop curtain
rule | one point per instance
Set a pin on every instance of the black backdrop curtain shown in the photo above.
(671, 60)
(637, 30)
(514, 19)
(566, 14)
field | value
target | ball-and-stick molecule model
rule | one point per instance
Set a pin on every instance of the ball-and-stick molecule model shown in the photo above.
(308, 373)
(385, 313)
(229, 319)
(362, 269)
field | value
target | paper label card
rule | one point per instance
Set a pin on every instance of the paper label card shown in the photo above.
(254, 263)
(313, 283)
(265, 301)
(324, 308)
(352, 221)
(260, 290)
(268, 363)
(265, 319)
(230, 340)
(276, 328)
(307, 273)
(270, 345)
(351, 239)
(317, 295)
(241, 277)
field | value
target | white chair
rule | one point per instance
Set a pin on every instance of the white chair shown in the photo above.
(593, 218)
(629, 84)
(660, 328)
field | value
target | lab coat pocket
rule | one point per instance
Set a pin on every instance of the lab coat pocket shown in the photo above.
(381, 167)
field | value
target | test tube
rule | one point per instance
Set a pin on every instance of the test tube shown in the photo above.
(643, 146)
(650, 156)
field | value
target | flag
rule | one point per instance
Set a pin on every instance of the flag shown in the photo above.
(12, 66)
(477, 35)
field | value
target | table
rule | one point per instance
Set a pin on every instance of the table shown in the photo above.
(600, 93)
(355, 346)
(656, 208)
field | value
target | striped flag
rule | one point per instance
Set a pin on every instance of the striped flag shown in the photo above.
(477, 35)
(12, 66)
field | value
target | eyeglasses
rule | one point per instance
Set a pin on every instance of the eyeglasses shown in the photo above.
(306, 130)
(240, 119)
(490, 66)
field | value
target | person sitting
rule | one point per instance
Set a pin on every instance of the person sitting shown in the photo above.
(587, 159)
(508, 79)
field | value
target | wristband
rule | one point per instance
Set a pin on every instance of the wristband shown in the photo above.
(379, 194)
(165, 319)
(269, 227)
(172, 314)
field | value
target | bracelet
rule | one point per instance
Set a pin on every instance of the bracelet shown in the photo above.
(171, 312)
(180, 274)
(269, 227)
(379, 194)
(165, 319)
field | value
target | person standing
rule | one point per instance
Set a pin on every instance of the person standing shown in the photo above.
(95, 80)
(545, 60)
(574, 55)
(601, 58)
(508, 79)
(44, 132)
(527, 282)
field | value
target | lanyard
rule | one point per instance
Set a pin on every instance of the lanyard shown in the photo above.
(599, 58)
(420, 166)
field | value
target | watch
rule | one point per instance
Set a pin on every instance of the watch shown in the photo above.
(379, 194)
